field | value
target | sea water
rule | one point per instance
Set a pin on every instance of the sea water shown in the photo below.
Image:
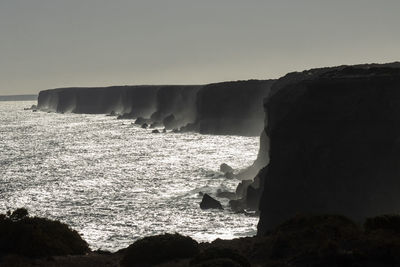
(115, 182)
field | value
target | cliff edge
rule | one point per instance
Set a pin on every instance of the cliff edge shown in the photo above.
(334, 144)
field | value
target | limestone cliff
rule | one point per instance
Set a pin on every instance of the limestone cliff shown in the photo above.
(221, 108)
(138, 100)
(334, 139)
(179, 101)
(232, 107)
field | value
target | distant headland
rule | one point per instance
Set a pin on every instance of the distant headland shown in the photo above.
(18, 97)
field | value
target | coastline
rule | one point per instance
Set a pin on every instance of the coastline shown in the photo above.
(321, 126)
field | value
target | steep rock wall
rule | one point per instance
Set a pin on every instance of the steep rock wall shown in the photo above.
(334, 144)
(138, 100)
(179, 101)
(232, 107)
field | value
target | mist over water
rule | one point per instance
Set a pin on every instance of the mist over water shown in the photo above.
(115, 182)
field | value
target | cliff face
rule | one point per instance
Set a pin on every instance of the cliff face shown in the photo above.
(334, 139)
(138, 100)
(232, 107)
(180, 101)
(221, 108)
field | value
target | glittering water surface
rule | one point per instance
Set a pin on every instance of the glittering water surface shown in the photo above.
(115, 182)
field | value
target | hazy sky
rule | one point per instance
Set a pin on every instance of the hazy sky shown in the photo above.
(57, 43)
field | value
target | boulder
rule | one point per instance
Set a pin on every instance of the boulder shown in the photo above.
(126, 116)
(210, 203)
(155, 131)
(112, 113)
(225, 168)
(37, 237)
(169, 121)
(145, 125)
(141, 121)
(153, 250)
(229, 175)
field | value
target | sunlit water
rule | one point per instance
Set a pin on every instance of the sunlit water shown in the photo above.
(115, 182)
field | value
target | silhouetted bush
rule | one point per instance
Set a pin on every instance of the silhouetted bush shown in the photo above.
(37, 237)
(216, 256)
(382, 239)
(389, 222)
(159, 248)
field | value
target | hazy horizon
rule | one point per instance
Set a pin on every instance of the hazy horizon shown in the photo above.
(49, 44)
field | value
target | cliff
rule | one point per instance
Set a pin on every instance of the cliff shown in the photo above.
(221, 108)
(334, 144)
(232, 107)
(179, 101)
(138, 100)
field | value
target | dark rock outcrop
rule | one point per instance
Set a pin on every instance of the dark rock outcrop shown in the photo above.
(36, 237)
(209, 203)
(334, 144)
(170, 122)
(225, 168)
(157, 249)
(141, 121)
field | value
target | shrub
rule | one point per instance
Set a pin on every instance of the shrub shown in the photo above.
(389, 222)
(37, 237)
(159, 248)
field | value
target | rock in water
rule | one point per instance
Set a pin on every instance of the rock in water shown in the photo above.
(229, 175)
(170, 121)
(155, 131)
(225, 168)
(141, 121)
(145, 125)
(209, 203)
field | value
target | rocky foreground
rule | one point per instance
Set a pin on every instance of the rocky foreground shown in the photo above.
(322, 240)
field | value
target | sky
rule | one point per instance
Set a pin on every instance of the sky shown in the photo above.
(61, 43)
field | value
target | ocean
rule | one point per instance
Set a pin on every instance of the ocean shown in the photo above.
(115, 182)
